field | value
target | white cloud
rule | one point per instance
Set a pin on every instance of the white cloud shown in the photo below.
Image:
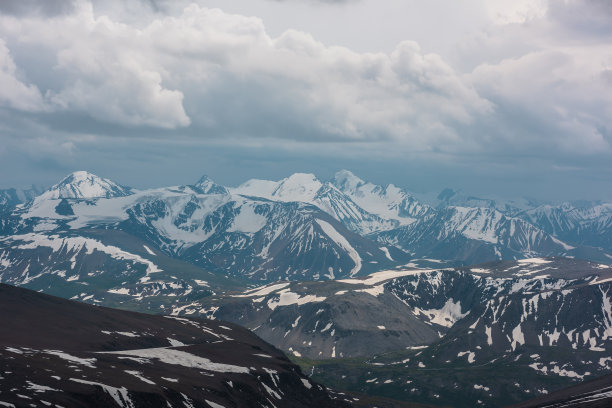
(13, 92)
(104, 68)
(132, 75)
(515, 11)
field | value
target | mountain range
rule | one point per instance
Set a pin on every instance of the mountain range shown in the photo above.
(302, 228)
(486, 335)
(370, 289)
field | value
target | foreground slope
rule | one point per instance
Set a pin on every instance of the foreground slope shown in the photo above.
(55, 351)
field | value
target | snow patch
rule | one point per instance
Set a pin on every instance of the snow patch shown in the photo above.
(181, 358)
(342, 243)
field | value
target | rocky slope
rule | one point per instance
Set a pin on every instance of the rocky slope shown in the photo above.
(64, 353)
(428, 335)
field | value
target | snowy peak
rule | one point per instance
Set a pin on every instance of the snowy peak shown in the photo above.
(346, 181)
(388, 202)
(298, 187)
(207, 186)
(301, 187)
(256, 188)
(82, 184)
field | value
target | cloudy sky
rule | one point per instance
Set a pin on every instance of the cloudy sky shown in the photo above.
(498, 98)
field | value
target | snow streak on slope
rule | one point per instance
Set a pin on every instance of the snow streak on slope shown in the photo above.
(248, 221)
(342, 243)
(76, 245)
(476, 223)
(182, 358)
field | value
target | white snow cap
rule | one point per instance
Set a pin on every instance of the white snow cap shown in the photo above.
(82, 184)
(298, 187)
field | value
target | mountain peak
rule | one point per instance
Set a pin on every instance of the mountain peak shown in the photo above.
(208, 186)
(82, 184)
(298, 187)
(345, 180)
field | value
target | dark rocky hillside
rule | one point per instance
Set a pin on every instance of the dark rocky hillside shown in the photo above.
(64, 353)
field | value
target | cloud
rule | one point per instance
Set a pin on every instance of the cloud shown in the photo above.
(36, 7)
(324, 1)
(210, 67)
(529, 89)
(13, 92)
(591, 17)
(566, 91)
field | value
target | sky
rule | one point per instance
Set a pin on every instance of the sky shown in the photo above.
(494, 97)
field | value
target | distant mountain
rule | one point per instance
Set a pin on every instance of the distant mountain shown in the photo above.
(298, 228)
(202, 249)
(207, 186)
(388, 202)
(11, 198)
(587, 224)
(326, 196)
(55, 352)
(82, 184)
(459, 198)
(474, 235)
(203, 224)
(459, 230)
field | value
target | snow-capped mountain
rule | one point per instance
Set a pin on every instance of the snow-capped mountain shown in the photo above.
(257, 238)
(208, 226)
(306, 188)
(388, 202)
(295, 228)
(199, 248)
(82, 184)
(474, 235)
(207, 186)
(459, 198)
(478, 230)
(587, 224)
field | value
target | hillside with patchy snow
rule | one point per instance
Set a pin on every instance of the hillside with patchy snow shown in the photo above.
(55, 352)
